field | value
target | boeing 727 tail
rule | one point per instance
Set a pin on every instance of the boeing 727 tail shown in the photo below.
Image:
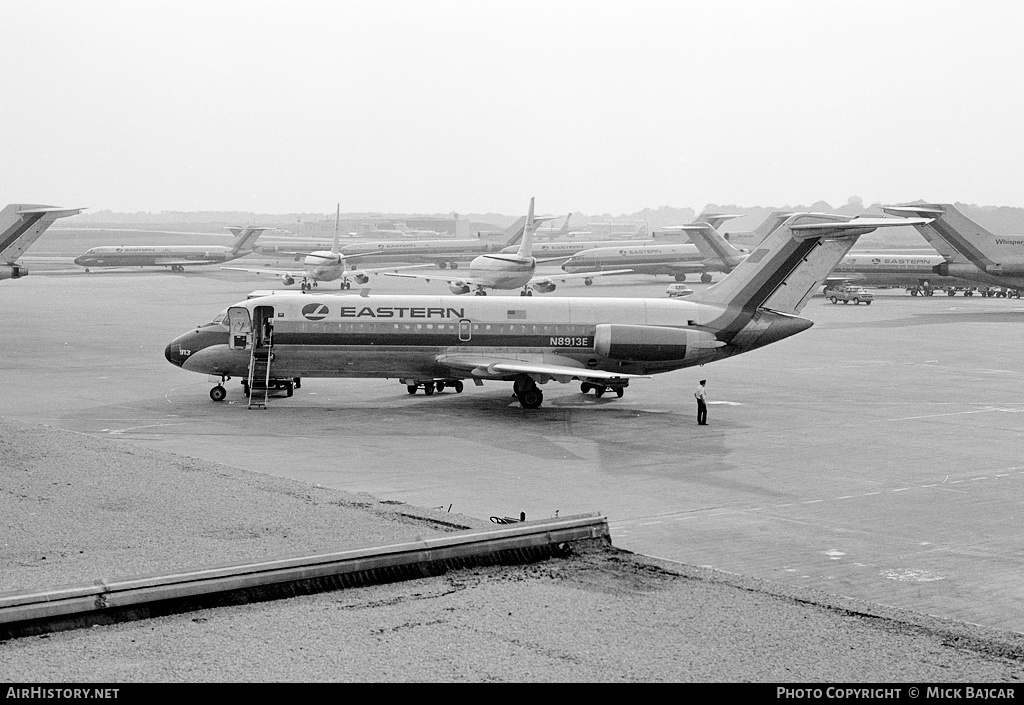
(20, 226)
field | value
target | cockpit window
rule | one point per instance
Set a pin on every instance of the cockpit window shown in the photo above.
(220, 319)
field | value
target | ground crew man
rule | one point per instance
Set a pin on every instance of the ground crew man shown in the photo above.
(702, 406)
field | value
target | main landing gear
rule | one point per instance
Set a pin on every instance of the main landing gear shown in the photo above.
(526, 391)
(600, 389)
(429, 387)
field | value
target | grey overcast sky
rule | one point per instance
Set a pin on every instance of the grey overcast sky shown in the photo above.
(448, 105)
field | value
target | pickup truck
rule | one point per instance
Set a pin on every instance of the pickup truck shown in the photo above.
(847, 293)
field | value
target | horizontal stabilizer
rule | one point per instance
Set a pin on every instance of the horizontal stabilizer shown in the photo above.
(857, 226)
(922, 209)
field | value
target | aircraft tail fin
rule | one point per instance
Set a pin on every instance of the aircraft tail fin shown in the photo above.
(526, 244)
(756, 236)
(713, 246)
(245, 238)
(960, 239)
(22, 224)
(791, 263)
(513, 233)
(715, 220)
(565, 225)
(532, 223)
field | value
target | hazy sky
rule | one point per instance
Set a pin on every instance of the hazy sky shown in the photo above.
(444, 105)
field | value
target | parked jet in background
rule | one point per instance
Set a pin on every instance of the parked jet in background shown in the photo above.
(443, 253)
(322, 266)
(177, 257)
(508, 270)
(432, 342)
(969, 250)
(554, 249)
(544, 233)
(914, 272)
(754, 237)
(21, 224)
(674, 260)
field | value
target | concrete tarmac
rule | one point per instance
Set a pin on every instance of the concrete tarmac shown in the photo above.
(876, 455)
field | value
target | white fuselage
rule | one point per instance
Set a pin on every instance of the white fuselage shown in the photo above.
(157, 256)
(433, 251)
(499, 271)
(643, 259)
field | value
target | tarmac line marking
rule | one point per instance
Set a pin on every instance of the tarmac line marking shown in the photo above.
(868, 494)
(900, 489)
(118, 431)
(933, 416)
(849, 496)
(813, 501)
(650, 523)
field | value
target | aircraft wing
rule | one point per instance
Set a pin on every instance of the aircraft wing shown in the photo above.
(297, 274)
(494, 366)
(583, 275)
(384, 270)
(451, 280)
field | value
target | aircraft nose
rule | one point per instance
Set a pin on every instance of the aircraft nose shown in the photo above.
(173, 353)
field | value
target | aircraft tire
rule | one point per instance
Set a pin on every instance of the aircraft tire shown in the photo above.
(585, 387)
(619, 391)
(706, 278)
(458, 386)
(531, 398)
(680, 277)
(454, 265)
(218, 393)
(588, 281)
(411, 388)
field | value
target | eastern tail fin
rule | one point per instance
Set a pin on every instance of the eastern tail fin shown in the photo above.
(565, 225)
(960, 239)
(756, 236)
(715, 220)
(245, 238)
(22, 224)
(784, 271)
(513, 233)
(532, 222)
(713, 246)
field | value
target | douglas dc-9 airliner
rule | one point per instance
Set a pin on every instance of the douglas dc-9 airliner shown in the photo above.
(436, 342)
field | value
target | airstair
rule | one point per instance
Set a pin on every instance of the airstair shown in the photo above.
(259, 374)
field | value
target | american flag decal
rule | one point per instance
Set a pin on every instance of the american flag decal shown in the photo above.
(516, 315)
